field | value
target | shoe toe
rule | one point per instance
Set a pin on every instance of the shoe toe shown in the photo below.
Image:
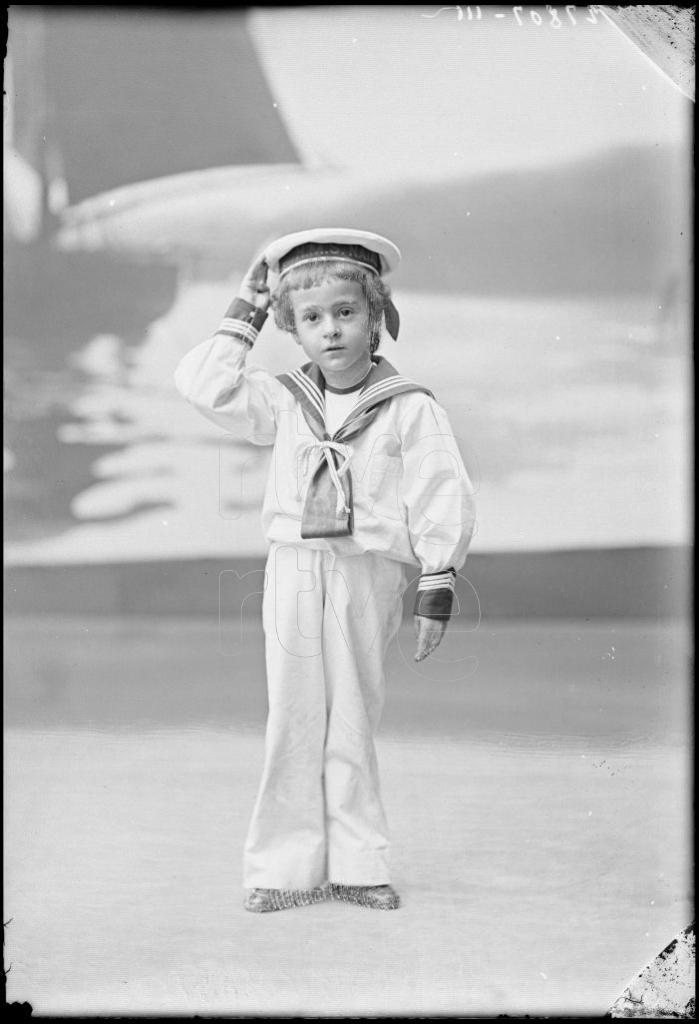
(384, 897)
(258, 901)
(377, 897)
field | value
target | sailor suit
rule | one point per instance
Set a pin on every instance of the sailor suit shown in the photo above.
(350, 518)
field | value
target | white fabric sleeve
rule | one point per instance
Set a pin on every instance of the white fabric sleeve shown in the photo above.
(242, 400)
(436, 489)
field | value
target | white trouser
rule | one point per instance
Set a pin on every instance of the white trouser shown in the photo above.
(328, 621)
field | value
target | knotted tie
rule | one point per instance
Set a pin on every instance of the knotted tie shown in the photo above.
(328, 510)
(324, 449)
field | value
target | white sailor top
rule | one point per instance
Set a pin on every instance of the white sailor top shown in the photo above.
(394, 470)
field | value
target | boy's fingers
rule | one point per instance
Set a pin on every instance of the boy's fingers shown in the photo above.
(262, 293)
(419, 624)
(254, 287)
(257, 272)
(428, 627)
(423, 650)
(260, 272)
(428, 634)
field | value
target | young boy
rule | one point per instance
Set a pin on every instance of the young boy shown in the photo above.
(366, 481)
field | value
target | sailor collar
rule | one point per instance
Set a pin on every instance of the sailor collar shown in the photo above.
(307, 385)
(329, 505)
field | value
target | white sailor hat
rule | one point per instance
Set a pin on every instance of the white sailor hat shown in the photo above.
(365, 248)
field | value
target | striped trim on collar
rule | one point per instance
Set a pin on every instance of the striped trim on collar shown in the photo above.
(307, 384)
(310, 389)
(385, 389)
(309, 396)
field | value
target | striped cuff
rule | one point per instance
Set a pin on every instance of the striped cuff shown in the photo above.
(243, 321)
(435, 594)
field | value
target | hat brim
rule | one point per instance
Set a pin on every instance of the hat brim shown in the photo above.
(388, 253)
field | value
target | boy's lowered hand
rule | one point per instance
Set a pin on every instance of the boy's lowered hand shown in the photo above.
(254, 287)
(429, 633)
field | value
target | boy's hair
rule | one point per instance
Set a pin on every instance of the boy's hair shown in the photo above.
(310, 275)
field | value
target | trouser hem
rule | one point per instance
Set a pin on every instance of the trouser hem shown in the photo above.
(272, 880)
(374, 872)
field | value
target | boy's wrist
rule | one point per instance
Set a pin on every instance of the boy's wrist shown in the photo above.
(243, 320)
(435, 594)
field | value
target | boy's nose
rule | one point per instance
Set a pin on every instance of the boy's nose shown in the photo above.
(331, 329)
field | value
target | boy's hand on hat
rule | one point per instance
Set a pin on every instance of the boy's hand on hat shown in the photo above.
(429, 633)
(254, 288)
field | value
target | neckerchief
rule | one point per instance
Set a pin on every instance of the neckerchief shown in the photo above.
(328, 509)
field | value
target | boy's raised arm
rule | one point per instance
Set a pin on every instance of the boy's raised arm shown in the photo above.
(247, 313)
(214, 378)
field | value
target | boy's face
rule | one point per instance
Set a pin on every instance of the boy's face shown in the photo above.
(332, 327)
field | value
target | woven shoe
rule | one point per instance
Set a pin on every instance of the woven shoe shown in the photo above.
(377, 897)
(262, 901)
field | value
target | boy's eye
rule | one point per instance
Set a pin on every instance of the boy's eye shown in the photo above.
(346, 311)
(312, 317)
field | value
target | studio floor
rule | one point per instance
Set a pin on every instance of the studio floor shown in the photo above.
(536, 778)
